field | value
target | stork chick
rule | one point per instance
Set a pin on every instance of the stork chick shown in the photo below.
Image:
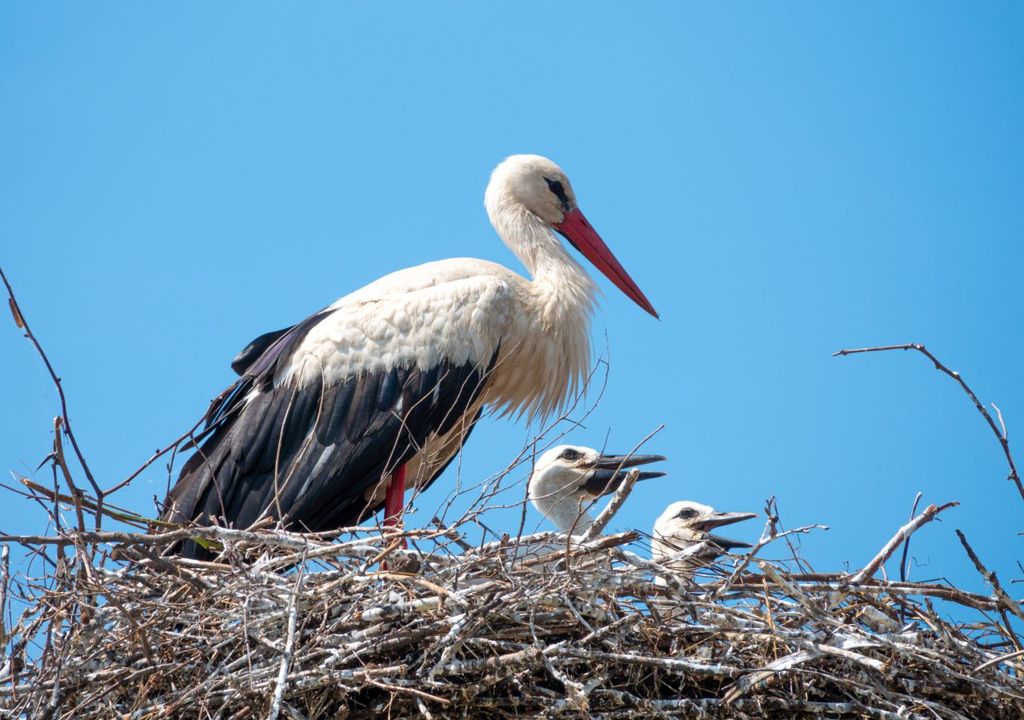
(568, 478)
(682, 538)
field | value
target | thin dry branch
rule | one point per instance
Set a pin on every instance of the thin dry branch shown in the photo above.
(609, 510)
(1000, 595)
(620, 494)
(901, 536)
(22, 323)
(289, 648)
(906, 543)
(1001, 435)
(111, 511)
(157, 454)
(5, 579)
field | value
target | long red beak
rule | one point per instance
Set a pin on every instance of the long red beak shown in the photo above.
(584, 238)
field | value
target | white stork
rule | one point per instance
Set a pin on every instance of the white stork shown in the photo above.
(567, 479)
(388, 381)
(682, 540)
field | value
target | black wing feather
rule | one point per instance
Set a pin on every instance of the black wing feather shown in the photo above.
(251, 352)
(335, 412)
(307, 454)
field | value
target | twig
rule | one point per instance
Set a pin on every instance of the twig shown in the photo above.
(620, 494)
(751, 554)
(289, 648)
(609, 510)
(172, 446)
(990, 577)
(60, 462)
(1000, 659)
(906, 550)
(22, 322)
(906, 543)
(901, 536)
(111, 511)
(1001, 436)
(5, 579)
(770, 534)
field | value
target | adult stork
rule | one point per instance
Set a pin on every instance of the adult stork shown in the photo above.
(388, 381)
(567, 479)
(682, 539)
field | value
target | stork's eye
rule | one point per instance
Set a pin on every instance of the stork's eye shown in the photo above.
(558, 189)
(686, 514)
(570, 454)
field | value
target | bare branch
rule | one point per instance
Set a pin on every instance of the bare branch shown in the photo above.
(1004, 441)
(289, 648)
(906, 543)
(618, 498)
(902, 535)
(990, 577)
(157, 454)
(21, 322)
(620, 494)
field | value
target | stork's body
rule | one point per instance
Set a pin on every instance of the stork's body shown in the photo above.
(391, 378)
(682, 539)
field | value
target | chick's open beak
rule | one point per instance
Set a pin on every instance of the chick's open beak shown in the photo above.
(725, 518)
(610, 470)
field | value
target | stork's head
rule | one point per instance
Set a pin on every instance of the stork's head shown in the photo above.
(685, 523)
(538, 186)
(566, 476)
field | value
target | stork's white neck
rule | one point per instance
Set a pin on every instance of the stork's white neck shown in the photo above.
(561, 286)
(549, 356)
(684, 552)
(554, 497)
(661, 548)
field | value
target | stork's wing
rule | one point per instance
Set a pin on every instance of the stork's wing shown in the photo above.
(308, 454)
(326, 409)
(252, 352)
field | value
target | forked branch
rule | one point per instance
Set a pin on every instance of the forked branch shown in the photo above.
(901, 536)
(999, 430)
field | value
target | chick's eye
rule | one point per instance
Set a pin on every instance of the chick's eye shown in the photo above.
(686, 514)
(570, 454)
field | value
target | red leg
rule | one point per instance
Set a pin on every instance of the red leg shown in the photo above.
(394, 500)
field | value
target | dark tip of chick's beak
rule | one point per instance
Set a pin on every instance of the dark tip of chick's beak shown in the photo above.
(616, 462)
(727, 543)
(720, 519)
(724, 518)
(610, 470)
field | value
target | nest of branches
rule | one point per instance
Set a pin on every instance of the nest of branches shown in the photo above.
(384, 623)
(296, 626)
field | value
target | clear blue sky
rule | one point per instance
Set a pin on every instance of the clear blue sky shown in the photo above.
(782, 181)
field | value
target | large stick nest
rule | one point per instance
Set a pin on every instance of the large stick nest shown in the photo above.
(294, 626)
(298, 626)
